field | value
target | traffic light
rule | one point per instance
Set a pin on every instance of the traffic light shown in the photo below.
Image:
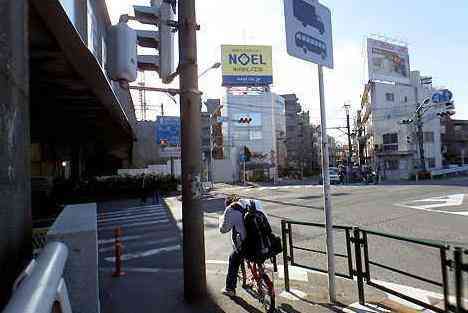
(161, 14)
(446, 113)
(247, 154)
(448, 110)
(406, 122)
(408, 139)
(245, 120)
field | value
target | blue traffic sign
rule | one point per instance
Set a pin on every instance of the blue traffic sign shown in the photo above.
(442, 96)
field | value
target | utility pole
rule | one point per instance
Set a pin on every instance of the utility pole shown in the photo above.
(190, 104)
(419, 124)
(162, 109)
(420, 134)
(350, 148)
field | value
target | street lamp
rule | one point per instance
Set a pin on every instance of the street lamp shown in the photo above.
(212, 67)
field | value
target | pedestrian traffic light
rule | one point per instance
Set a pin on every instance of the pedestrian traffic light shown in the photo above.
(161, 14)
(408, 139)
(245, 120)
(247, 154)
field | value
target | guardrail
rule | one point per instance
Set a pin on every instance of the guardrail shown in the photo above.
(357, 248)
(362, 243)
(447, 171)
(40, 288)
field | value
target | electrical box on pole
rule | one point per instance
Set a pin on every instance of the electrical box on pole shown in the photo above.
(160, 14)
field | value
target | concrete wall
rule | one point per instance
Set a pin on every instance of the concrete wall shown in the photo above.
(76, 227)
(15, 190)
(145, 149)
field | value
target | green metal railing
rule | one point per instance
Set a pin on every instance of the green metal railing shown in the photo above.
(357, 243)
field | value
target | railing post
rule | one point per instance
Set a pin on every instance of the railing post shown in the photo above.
(291, 248)
(358, 257)
(285, 255)
(457, 258)
(444, 264)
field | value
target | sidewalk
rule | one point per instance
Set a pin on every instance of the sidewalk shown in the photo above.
(157, 285)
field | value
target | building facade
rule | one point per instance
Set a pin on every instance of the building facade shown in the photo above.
(455, 141)
(62, 117)
(301, 152)
(386, 144)
(264, 135)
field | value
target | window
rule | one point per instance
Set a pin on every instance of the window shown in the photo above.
(256, 135)
(390, 142)
(405, 99)
(390, 96)
(93, 37)
(428, 137)
(69, 6)
(104, 54)
(431, 162)
(392, 165)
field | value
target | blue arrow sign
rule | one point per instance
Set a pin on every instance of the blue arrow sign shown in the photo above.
(442, 96)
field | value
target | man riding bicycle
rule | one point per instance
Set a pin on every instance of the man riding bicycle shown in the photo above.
(233, 220)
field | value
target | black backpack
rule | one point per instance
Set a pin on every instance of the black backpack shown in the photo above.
(260, 243)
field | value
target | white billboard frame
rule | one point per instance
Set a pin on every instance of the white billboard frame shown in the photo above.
(387, 61)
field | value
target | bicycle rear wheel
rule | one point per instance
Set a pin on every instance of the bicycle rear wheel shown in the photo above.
(242, 275)
(267, 293)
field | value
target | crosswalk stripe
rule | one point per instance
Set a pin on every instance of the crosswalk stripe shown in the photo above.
(134, 224)
(123, 238)
(137, 255)
(136, 216)
(142, 244)
(127, 212)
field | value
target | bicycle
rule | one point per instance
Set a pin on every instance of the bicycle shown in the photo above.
(257, 276)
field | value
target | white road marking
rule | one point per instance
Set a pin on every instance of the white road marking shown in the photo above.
(124, 238)
(441, 202)
(129, 212)
(293, 294)
(138, 255)
(134, 224)
(145, 243)
(138, 216)
(287, 187)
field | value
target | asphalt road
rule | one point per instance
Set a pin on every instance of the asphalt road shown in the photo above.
(436, 211)
(152, 235)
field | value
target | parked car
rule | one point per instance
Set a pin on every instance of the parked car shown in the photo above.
(334, 177)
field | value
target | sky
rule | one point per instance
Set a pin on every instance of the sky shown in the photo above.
(435, 31)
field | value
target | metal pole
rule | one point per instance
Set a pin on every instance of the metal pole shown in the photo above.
(350, 148)
(421, 141)
(326, 193)
(275, 144)
(243, 171)
(190, 104)
(210, 170)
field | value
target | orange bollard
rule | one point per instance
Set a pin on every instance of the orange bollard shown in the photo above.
(118, 253)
